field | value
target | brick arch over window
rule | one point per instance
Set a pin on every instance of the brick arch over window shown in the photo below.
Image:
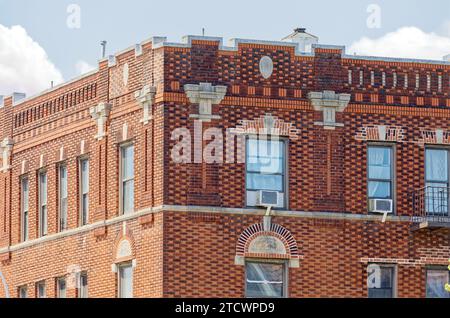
(280, 233)
(124, 247)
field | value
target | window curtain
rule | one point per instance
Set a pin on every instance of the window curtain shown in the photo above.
(436, 280)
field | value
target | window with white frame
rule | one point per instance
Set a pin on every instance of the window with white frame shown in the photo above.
(436, 281)
(62, 197)
(127, 179)
(265, 168)
(125, 280)
(380, 172)
(61, 287)
(41, 290)
(24, 198)
(265, 279)
(43, 218)
(23, 292)
(381, 281)
(83, 286)
(394, 79)
(84, 191)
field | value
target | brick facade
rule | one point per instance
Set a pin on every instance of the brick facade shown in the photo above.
(189, 217)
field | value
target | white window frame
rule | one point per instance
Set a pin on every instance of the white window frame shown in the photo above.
(122, 180)
(120, 267)
(23, 291)
(63, 202)
(392, 180)
(61, 292)
(83, 289)
(38, 289)
(282, 263)
(43, 204)
(84, 193)
(285, 174)
(24, 207)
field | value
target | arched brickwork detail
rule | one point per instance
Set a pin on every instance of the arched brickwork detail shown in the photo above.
(277, 231)
(120, 238)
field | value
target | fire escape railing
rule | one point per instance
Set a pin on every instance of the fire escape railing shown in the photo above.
(431, 204)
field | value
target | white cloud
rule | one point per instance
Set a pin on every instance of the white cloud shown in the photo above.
(24, 64)
(83, 67)
(406, 42)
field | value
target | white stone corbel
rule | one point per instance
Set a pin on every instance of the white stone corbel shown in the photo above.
(100, 114)
(205, 95)
(329, 103)
(6, 147)
(146, 98)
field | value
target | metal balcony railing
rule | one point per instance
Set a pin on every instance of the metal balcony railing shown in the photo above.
(431, 204)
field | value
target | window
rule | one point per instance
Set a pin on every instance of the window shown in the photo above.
(265, 280)
(350, 77)
(125, 281)
(24, 207)
(84, 191)
(394, 80)
(405, 84)
(61, 287)
(265, 168)
(83, 286)
(380, 172)
(23, 292)
(372, 78)
(436, 280)
(439, 83)
(381, 280)
(62, 198)
(127, 179)
(40, 290)
(437, 181)
(42, 203)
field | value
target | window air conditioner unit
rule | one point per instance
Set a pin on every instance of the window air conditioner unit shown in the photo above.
(267, 198)
(381, 206)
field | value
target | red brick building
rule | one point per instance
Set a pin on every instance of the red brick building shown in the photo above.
(94, 203)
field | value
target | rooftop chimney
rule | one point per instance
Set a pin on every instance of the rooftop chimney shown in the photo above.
(305, 40)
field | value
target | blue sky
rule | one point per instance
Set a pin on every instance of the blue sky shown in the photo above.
(123, 23)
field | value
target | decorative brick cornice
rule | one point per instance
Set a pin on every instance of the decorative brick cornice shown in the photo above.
(205, 95)
(329, 103)
(146, 98)
(100, 114)
(6, 147)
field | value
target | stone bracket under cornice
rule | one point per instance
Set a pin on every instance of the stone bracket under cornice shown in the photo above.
(205, 95)
(6, 147)
(329, 103)
(100, 114)
(146, 98)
